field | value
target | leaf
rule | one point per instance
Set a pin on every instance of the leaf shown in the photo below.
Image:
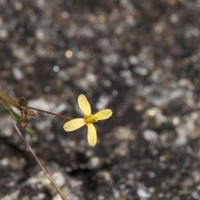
(29, 130)
(15, 116)
(5, 106)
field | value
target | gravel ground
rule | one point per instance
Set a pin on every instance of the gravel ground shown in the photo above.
(138, 58)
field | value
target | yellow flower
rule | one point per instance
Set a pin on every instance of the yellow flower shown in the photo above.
(88, 119)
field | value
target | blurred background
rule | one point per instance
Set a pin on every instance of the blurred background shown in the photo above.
(138, 58)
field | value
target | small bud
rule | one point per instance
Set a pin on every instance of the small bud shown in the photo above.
(24, 123)
(23, 119)
(23, 102)
(31, 113)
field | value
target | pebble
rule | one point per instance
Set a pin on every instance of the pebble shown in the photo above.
(150, 136)
(94, 162)
(18, 74)
(143, 194)
(102, 102)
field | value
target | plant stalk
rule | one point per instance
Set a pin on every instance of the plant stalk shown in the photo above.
(8, 99)
(50, 113)
(43, 168)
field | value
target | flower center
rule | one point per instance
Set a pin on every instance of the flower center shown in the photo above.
(90, 119)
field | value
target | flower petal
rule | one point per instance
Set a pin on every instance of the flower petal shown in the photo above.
(92, 135)
(74, 124)
(103, 114)
(84, 105)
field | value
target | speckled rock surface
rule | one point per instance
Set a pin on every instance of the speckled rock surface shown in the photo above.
(139, 58)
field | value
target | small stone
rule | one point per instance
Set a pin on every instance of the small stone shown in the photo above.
(150, 136)
(101, 197)
(4, 162)
(17, 73)
(124, 133)
(56, 68)
(3, 34)
(40, 34)
(142, 193)
(94, 162)
(155, 118)
(133, 60)
(102, 102)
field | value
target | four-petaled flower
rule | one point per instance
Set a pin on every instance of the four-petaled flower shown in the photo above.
(88, 119)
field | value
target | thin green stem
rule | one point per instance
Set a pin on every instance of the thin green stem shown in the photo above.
(57, 188)
(6, 100)
(43, 168)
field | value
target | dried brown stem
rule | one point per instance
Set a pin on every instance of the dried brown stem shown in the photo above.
(50, 113)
